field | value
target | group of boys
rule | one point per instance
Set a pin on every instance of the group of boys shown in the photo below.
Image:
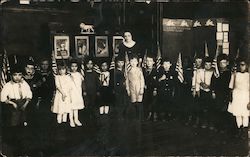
(201, 100)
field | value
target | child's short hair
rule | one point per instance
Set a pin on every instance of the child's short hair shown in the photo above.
(222, 57)
(166, 59)
(29, 62)
(151, 56)
(241, 60)
(74, 61)
(45, 59)
(87, 59)
(16, 69)
(208, 60)
(104, 61)
(199, 56)
(119, 58)
(61, 65)
(133, 56)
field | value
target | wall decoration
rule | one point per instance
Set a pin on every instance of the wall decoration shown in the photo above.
(101, 46)
(86, 29)
(61, 46)
(81, 46)
(117, 40)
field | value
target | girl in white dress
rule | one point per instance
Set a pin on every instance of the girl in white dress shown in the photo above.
(77, 99)
(240, 95)
(63, 98)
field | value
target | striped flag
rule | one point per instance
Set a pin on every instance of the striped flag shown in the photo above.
(206, 50)
(215, 66)
(234, 68)
(54, 65)
(2, 79)
(97, 69)
(217, 52)
(158, 57)
(82, 69)
(144, 62)
(127, 64)
(5, 71)
(6, 61)
(179, 69)
(112, 64)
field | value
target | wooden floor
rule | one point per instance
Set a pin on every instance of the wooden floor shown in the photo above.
(109, 136)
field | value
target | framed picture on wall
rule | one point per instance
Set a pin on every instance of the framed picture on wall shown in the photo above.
(81, 46)
(117, 40)
(101, 46)
(61, 47)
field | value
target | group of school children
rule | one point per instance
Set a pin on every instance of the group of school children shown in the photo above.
(208, 97)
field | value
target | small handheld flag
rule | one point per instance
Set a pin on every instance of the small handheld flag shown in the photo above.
(179, 69)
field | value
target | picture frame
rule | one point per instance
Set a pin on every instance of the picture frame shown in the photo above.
(81, 46)
(101, 46)
(117, 40)
(61, 46)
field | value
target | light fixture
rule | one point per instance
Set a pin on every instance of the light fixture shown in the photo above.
(148, 1)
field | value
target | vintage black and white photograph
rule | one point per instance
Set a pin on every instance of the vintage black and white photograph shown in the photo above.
(82, 46)
(61, 47)
(101, 46)
(82, 78)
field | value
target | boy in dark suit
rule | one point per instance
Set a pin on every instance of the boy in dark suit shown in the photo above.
(221, 93)
(150, 75)
(166, 83)
(120, 88)
(91, 86)
(34, 80)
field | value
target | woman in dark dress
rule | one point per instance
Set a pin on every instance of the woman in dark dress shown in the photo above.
(130, 46)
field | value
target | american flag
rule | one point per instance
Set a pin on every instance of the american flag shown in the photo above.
(158, 57)
(215, 66)
(234, 68)
(82, 69)
(112, 64)
(144, 62)
(127, 64)
(5, 70)
(179, 69)
(96, 68)
(54, 65)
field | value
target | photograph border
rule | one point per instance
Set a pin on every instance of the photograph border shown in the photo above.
(87, 45)
(58, 37)
(96, 47)
(116, 37)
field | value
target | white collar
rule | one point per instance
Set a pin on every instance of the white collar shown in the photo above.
(130, 44)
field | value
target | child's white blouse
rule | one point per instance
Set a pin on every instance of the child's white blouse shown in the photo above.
(12, 90)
